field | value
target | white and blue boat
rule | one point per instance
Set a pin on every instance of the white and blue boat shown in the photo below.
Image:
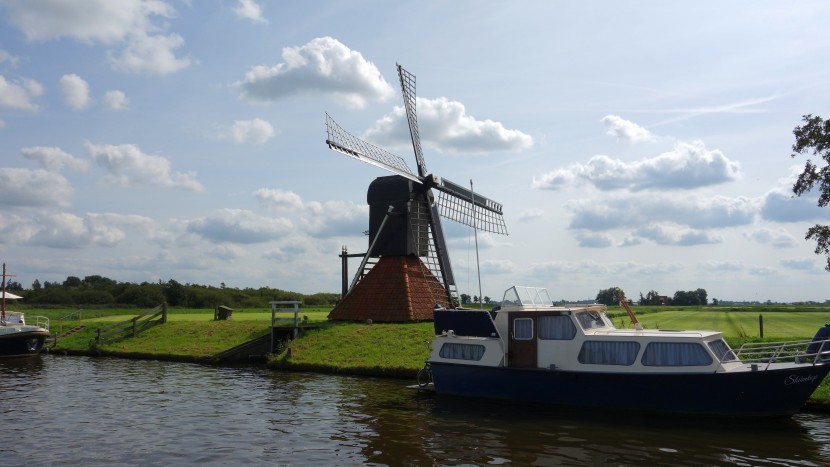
(530, 350)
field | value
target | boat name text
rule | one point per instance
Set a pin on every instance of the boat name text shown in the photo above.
(793, 379)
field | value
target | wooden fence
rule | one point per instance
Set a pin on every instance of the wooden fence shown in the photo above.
(131, 327)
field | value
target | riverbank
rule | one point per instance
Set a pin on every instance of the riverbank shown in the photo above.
(384, 350)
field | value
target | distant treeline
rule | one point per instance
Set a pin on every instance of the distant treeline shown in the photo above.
(98, 290)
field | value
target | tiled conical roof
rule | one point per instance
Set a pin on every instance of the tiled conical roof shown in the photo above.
(396, 289)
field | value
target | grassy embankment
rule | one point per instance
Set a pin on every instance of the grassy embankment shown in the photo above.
(390, 349)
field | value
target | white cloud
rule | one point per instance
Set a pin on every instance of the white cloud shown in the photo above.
(275, 198)
(250, 10)
(128, 166)
(6, 57)
(75, 91)
(239, 226)
(721, 266)
(33, 188)
(802, 264)
(256, 131)
(324, 66)
(626, 130)
(531, 214)
(608, 213)
(335, 219)
(782, 207)
(594, 240)
(676, 235)
(116, 100)
(445, 126)
(150, 54)
(67, 231)
(687, 166)
(129, 24)
(19, 94)
(776, 238)
(53, 159)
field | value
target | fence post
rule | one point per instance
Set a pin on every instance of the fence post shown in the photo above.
(163, 312)
(134, 326)
(761, 324)
(98, 337)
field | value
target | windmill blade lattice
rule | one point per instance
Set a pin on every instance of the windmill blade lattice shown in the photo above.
(462, 205)
(344, 142)
(408, 89)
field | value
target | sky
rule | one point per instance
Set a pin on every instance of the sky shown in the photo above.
(644, 145)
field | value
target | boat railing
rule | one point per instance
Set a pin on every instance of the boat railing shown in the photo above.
(801, 351)
(40, 321)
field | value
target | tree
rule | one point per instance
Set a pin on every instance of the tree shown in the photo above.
(465, 299)
(608, 296)
(690, 298)
(814, 138)
(36, 285)
(652, 298)
(72, 281)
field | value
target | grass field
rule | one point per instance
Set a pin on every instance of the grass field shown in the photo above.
(787, 324)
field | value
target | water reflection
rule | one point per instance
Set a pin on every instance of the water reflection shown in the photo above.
(108, 411)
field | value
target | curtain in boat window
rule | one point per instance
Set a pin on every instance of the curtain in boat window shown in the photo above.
(722, 351)
(556, 328)
(608, 353)
(523, 329)
(675, 354)
(462, 351)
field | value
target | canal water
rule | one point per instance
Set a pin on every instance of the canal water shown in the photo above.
(59, 410)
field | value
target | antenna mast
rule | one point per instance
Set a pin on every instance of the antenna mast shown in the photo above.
(475, 233)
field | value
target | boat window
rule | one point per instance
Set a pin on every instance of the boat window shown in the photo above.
(608, 352)
(590, 320)
(556, 328)
(722, 351)
(676, 354)
(523, 329)
(462, 351)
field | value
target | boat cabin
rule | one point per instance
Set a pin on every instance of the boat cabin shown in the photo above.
(529, 331)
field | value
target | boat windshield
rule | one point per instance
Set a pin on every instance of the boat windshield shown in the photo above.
(526, 296)
(593, 320)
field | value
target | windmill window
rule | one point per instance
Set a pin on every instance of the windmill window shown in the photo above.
(523, 329)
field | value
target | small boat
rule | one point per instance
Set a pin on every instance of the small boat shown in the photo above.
(531, 350)
(18, 339)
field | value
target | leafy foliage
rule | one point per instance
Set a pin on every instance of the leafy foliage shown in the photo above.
(608, 296)
(813, 138)
(102, 291)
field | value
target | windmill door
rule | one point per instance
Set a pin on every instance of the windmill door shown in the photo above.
(521, 350)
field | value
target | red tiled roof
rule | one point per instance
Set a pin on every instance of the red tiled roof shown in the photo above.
(396, 289)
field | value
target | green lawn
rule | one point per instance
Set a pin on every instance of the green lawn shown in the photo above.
(788, 324)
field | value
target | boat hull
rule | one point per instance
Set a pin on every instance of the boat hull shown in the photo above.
(23, 343)
(763, 393)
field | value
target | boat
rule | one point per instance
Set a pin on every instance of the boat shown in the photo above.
(17, 338)
(531, 350)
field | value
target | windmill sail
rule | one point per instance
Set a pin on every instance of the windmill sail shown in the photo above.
(462, 205)
(344, 142)
(408, 89)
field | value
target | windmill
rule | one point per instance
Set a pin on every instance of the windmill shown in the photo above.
(405, 226)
